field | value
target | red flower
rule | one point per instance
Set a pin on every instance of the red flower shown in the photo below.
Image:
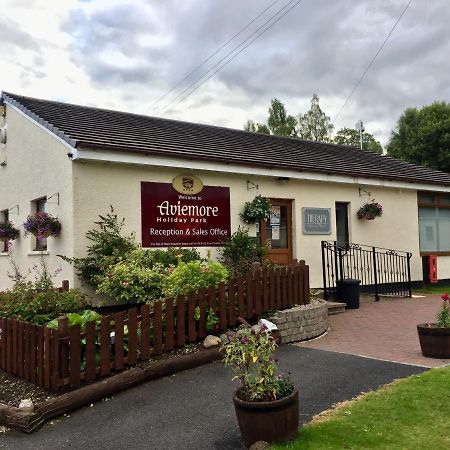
(445, 297)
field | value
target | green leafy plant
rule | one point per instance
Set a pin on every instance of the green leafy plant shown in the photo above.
(211, 318)
(258, 209)
(27, 305)
(82, 319)
(443, 316)
(130, 281)
(190, 277)
(240, 251)
(250, 355)
(108, 246)
(38, 301)
(370, 211)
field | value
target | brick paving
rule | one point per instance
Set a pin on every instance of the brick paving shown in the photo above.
(383, 330)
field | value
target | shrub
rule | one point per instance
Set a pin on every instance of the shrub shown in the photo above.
(132, 282)
(28, 305)
(108, 247)
(38, 301)
(190, 277)
(240, 251)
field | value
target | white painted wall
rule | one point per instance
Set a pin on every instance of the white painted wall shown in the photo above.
(98, 185)
(37, 166)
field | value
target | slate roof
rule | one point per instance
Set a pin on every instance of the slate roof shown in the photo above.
(86, 127)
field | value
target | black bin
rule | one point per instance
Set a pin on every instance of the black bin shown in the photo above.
(348, 291)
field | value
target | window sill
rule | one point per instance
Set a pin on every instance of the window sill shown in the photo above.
(435, 253)
(38, 252)
(4, 254)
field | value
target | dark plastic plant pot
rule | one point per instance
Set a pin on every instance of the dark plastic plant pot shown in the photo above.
(274, 421)
(434, 341)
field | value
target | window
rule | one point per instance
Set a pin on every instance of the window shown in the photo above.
(39, 206)
(434, 222)
(4, 218)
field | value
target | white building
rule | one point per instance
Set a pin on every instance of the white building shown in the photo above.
(76, 161)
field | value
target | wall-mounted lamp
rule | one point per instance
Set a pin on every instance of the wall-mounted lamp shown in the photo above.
(283, 179)
(3, 164)
(16, 208)
(54, 195)
(251, 185)
(365, 192)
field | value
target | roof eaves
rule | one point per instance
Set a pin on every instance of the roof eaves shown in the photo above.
(261, 164)
(55, 130)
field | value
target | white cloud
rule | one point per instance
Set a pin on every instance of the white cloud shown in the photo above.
(126, 54)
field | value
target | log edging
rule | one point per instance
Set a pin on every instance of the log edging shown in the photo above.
(27, 422)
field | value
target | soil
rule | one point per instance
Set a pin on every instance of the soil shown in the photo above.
(14, 389)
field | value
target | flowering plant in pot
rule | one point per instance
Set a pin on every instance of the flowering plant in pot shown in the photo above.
(266, 403)
(258, 209)
(8, 232)
(434, 337)
(370, 211)
(42, 225)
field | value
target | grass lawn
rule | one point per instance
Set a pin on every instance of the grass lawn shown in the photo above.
(433, 290)
(413, 413)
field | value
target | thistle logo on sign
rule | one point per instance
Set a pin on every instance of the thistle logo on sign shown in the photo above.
(187, 184)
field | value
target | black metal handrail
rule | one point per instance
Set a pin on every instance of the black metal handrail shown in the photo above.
(381, 271)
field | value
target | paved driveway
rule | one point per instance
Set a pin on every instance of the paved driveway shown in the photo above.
(193, 410)
(385, 330)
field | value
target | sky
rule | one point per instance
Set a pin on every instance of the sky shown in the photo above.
(126, 55)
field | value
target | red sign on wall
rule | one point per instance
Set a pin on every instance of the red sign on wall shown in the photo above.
(172, 219)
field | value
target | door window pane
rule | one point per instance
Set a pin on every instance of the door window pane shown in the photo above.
(276, 227)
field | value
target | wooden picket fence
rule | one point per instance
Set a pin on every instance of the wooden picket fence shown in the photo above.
(69, 357)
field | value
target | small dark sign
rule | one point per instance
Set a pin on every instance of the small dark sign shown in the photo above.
(316, 220)
(172, 219)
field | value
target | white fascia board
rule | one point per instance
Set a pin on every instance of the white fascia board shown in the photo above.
(73, 150)
(85, 154)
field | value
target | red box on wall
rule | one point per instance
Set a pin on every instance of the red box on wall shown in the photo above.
(432, 267)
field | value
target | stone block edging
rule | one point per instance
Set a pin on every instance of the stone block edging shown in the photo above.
(302, 322)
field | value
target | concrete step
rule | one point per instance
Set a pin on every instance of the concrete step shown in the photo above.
(335, 308)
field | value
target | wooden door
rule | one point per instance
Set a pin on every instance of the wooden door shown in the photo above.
(277, 232)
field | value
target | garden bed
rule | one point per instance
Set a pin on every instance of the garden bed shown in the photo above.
(14, 389)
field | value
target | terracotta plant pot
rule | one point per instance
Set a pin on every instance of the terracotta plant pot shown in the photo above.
(434, 341)
(274, 421)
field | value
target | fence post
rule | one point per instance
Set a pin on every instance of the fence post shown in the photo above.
(324, 272)
(65, 285)
(64, 347)
(375, 276)
(256, 266)
(408, 257)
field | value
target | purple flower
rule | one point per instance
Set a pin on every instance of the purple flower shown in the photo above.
(244, 340)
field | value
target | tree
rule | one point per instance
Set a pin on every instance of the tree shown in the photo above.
(350, 136)
(280, 122)
(422, 136)
(256, 127)
(315, 125)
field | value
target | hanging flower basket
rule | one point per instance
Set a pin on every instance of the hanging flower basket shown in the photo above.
(8, 232)
(42, 225)
(370, 211)
(258, 209)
